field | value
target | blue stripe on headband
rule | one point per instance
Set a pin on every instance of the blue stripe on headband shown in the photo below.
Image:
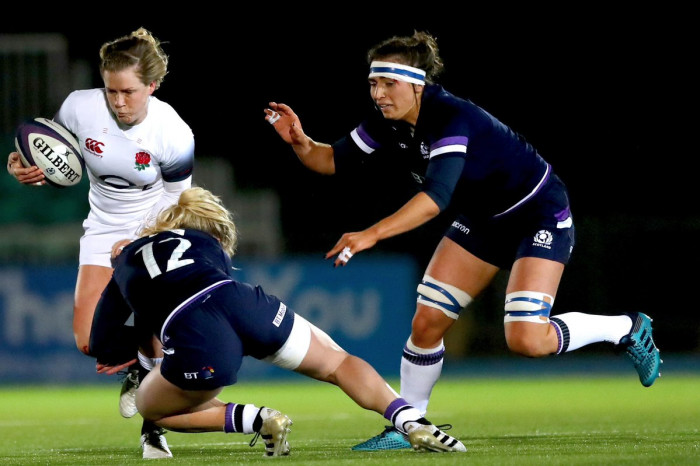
(397, 71)
(386, 69)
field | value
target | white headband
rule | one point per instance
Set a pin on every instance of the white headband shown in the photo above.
(398, 71)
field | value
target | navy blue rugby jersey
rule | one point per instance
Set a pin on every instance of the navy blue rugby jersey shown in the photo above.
(161, 274)
(458, 153)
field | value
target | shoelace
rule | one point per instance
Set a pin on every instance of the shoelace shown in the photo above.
(642, 349)
(388, 429)
(255, 439)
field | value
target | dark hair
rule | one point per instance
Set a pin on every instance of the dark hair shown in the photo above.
(138, 48)
(419, 50)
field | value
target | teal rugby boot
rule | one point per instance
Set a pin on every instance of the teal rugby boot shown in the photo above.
(640, 347)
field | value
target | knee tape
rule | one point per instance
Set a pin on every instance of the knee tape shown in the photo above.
(528, 306)
(447, 298)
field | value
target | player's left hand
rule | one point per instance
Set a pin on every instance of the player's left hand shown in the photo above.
(30, 176)
(350, 244)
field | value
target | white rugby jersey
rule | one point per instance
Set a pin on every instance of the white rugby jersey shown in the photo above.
(127, 167)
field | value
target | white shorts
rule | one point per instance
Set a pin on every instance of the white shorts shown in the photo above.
(98, 239)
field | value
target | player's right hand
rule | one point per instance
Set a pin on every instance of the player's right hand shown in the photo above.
(113, 369)
(119, 246)
(32, 175)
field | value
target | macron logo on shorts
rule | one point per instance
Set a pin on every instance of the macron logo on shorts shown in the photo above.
(463, 228)
(280, 315)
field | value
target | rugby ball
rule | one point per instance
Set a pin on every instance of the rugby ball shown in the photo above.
(52, 148)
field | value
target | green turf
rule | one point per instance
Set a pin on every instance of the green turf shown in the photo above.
(516, 421)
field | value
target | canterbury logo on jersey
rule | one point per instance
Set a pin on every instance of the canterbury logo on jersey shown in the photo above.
(93, 146)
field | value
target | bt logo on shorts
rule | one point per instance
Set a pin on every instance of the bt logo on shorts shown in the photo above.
(207, 372)
(543, 239)
(94, 147)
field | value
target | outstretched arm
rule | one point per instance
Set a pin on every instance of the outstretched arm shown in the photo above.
(316, 156)
(417, 211)
(113, 343)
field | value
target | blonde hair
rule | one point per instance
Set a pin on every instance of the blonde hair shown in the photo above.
(198, 209)
(139, 48)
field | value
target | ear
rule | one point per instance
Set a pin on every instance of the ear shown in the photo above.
(151, 87)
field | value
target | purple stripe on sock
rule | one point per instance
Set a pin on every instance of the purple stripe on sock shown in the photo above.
(423, 359)
(395, 406)
(558, 330)
(228, 419)
(562, 334)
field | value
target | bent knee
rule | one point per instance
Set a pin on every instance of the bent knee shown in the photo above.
(528, 346)
(527, 323)
(429, 327)
(442, 296)
(83, 344)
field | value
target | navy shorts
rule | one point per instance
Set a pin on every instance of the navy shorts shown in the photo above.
(205, 342)
(542, 227)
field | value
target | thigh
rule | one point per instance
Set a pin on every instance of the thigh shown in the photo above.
(157, 398)
(323, 355)
(453, 264)
(91, 282)
(535, 274)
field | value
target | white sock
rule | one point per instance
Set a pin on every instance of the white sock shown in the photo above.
(148, 363)
(250, 412)
(407, 418)
(420, 371)
(578, 329)
(145, 361)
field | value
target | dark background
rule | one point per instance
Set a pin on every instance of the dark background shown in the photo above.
(605, 95)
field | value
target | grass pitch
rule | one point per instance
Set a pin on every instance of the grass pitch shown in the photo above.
(502, 421)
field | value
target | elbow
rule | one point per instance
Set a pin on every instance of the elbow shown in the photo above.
(437, 205)
(435, 211)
